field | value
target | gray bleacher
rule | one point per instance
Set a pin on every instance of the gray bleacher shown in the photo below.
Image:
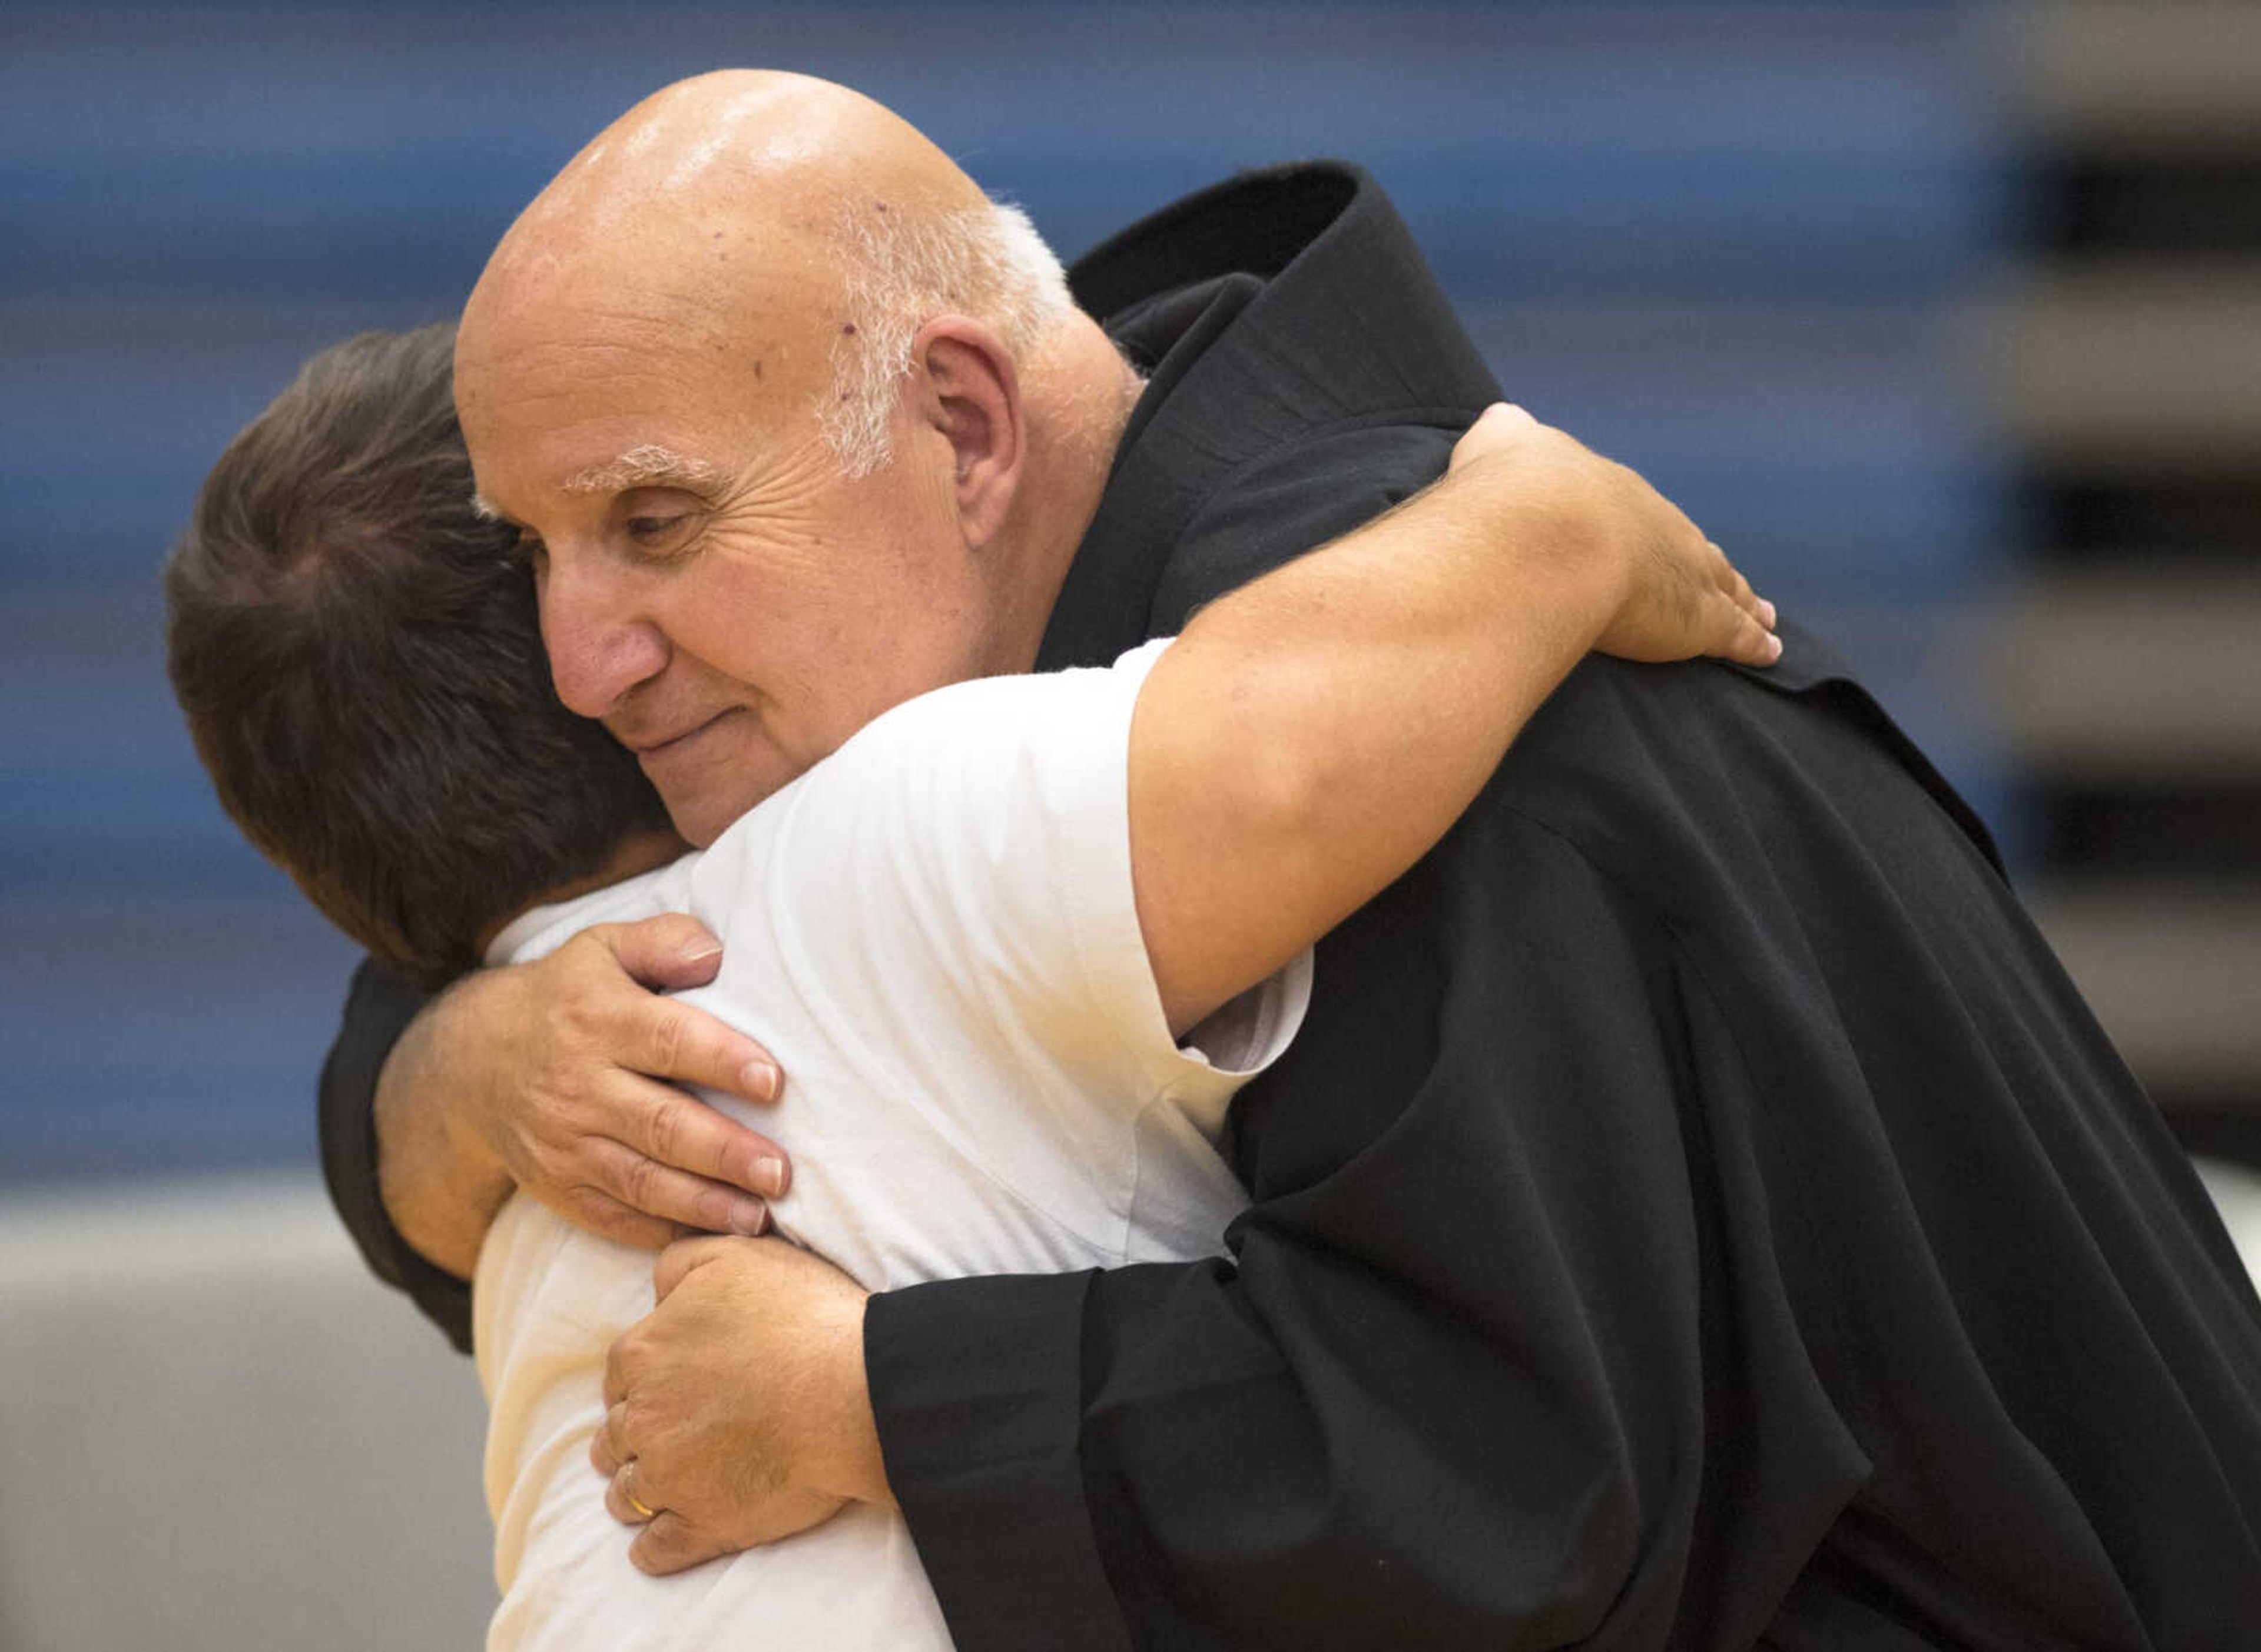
(1740, 247)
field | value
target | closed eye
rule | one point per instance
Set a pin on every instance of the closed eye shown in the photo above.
(657, 535)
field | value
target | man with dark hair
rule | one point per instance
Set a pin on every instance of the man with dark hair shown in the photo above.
(356, 652)
(980, 931)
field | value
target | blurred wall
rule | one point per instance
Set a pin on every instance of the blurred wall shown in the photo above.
(217, 1435)
(2122, 353)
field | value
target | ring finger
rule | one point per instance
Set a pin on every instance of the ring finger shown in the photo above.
(621, 1500)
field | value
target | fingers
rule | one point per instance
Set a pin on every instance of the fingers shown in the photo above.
(684, 1131)
(621, 1500)
(617, 1361)
(1739, 591)
(667, 952)
(669, 1039)
(660, 1036)
(604, 1142)
(1748, 620)
(607, 1450)
(675, 1198)
(669, 1543)
(1749, 642)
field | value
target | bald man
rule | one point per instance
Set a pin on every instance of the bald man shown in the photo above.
(1698, 1210)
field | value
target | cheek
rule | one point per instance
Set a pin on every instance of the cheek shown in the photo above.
(717, 617)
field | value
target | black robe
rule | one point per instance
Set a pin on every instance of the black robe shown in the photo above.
(1698, 1211)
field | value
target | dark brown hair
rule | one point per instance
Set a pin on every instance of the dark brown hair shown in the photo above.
(357, 654)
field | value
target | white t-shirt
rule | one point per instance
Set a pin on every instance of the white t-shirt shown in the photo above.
(933, 930)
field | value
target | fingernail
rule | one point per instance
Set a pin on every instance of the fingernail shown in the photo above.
(749, 1216)
(1766, 614)
(700, 951)
(1774, 649)
(768, 1177)
(759, 1081)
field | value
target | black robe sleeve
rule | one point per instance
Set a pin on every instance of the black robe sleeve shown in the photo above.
(379, 1006)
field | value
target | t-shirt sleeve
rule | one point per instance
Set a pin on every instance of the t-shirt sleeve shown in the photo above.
(960, 870)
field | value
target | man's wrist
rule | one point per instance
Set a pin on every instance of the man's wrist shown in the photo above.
(856, 1469)
(439, 1178)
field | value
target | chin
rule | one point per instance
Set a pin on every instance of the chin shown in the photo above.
(701, 820)
(703, 812)
(711, 785)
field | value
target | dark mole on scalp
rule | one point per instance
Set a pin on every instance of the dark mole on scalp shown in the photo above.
(758, 367)
(848, 329)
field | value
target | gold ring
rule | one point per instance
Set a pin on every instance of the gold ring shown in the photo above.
(629, 1497)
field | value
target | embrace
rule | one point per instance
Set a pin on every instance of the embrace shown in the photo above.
(1310, 1029)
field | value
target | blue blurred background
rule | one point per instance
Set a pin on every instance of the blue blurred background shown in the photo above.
(1725, 244)
(1945, 319)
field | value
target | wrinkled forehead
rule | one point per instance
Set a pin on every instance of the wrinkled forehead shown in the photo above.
(567, 400)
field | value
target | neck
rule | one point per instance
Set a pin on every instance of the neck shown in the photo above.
(1078, 392)
(638, 853)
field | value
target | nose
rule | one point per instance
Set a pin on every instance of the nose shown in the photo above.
(599, 647)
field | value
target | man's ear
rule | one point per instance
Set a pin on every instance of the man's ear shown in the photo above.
(973, 397)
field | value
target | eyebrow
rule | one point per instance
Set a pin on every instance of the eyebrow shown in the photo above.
(647, 466)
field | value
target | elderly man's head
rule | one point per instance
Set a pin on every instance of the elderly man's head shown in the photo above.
(795, 424)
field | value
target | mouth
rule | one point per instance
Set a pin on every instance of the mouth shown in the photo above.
(653, 750)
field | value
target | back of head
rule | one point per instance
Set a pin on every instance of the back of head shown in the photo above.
(357, 653)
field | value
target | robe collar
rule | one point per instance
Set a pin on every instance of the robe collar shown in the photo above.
(1263, 308)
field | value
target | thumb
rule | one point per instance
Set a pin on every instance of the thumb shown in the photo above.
(667, 952)
(1500, 426)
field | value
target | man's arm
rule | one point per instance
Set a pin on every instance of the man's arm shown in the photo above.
(1311, 735)
(419, 1153)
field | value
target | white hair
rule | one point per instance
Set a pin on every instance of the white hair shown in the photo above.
(899, 271)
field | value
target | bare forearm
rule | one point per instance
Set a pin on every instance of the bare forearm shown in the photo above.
(1311, 736)
(440, 1185)
(1333, 720)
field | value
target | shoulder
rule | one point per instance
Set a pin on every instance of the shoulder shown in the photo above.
(1292, 402)
(541, 930)
(1310, 488)
(1008, 714)
(1687, 786)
